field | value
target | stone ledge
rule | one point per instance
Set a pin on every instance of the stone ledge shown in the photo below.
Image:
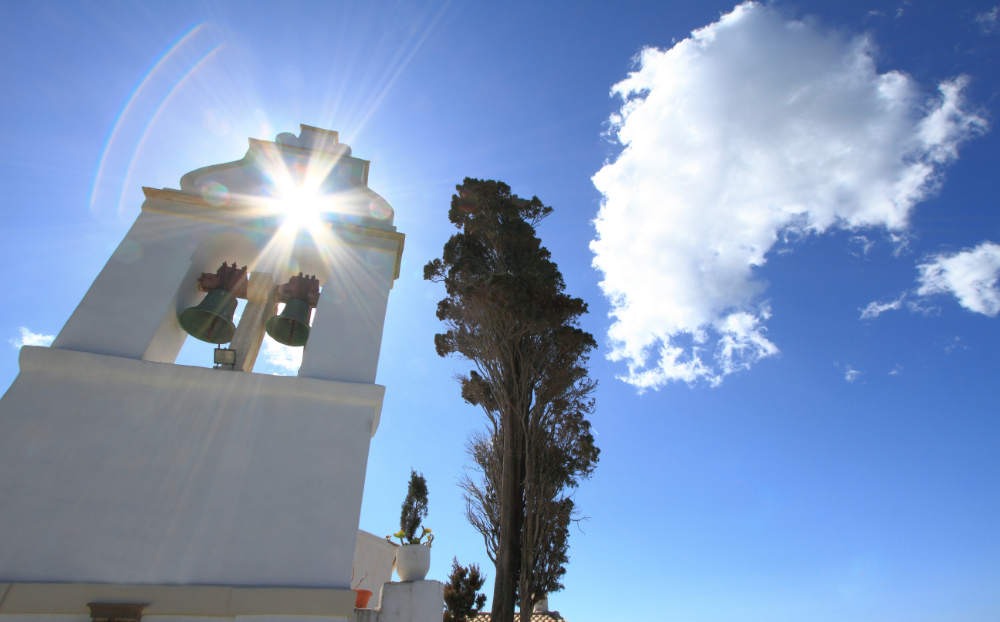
(104, 368)
(191, 600)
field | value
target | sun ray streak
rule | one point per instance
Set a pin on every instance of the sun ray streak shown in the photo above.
(399, 70)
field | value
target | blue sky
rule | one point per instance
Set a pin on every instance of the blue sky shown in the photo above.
(786, 456)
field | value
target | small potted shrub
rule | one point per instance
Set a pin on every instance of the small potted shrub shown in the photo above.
(413, 559)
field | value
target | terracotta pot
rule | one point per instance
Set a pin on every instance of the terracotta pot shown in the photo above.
(413, 561)
(361, 600)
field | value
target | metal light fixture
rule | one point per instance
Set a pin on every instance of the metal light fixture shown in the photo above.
(225, 356)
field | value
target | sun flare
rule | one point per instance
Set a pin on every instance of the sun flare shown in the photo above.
(301, 206)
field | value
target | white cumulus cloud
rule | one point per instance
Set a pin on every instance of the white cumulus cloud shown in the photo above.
(29, 338)
(970, 275)
(754, 129)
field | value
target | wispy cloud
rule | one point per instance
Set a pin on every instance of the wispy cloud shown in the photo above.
(900, 242)
(987, 20)
(755, 129)
(970, 275)
(28, 338)
(953, 344)
(860, 245)
(875, 309)
(851, 374)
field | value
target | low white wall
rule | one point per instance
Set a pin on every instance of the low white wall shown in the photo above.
(374, 561)
(407, 601)
(116, 470)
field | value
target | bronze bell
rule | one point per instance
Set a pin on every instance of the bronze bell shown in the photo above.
(212, 319)
(291, 328)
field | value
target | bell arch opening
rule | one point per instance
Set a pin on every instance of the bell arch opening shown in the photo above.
(170, 338)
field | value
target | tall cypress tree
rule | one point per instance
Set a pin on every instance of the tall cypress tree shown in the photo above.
(507, 313)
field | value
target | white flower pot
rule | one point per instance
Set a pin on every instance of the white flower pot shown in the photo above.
(413, 561)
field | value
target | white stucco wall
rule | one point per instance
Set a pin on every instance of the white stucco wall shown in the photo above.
(125, 306)
(116, 470)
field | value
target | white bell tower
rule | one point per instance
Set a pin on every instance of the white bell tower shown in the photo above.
(128, 479)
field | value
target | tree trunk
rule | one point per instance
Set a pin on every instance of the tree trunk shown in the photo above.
(511, 517)
(528, 528)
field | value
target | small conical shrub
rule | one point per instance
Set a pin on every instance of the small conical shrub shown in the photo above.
(461, 601)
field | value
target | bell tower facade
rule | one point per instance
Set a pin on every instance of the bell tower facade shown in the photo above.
(126, 479)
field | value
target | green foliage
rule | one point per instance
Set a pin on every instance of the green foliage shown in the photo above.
(552, 553)
(461, 600)
(496, 264)
(403, 539)
(414, 511)
(506, 312)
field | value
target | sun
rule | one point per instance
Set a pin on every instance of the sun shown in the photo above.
(301, 207)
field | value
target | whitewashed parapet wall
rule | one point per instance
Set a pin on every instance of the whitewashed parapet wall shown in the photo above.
(201, 492)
